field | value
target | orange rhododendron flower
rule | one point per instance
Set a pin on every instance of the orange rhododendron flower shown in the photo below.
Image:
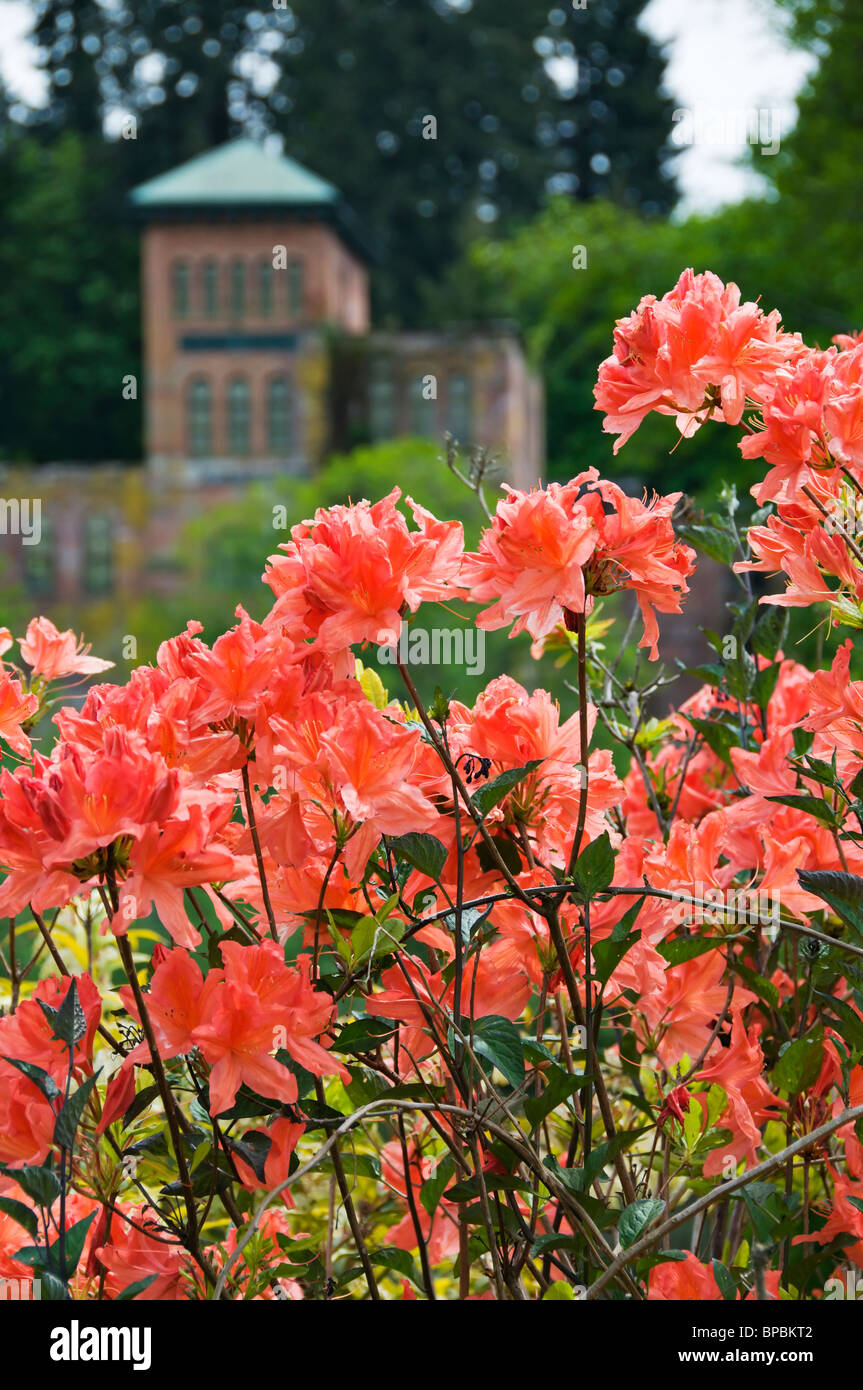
(53, 654)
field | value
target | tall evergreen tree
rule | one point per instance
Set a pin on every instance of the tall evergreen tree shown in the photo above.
(438, 120)
(802, 251)
(434, 117)
(73, 37)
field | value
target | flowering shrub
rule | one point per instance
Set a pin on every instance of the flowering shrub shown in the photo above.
(461, 1002)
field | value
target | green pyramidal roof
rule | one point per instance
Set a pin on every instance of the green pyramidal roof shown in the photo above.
(240, 173)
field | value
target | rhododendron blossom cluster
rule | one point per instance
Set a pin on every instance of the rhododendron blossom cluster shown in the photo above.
(315, 989)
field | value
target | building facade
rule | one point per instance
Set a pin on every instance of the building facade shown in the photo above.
(259, 359)
(259, 354)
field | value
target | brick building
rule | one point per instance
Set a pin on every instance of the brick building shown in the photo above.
(259, 360)
(258, 353)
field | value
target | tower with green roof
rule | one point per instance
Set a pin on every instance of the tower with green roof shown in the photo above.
(247, 259)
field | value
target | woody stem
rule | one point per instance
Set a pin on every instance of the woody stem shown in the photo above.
(551, 916)
(350, 1210)
(455, 776)
(575, 622)
(169, 1104)
(259, 859)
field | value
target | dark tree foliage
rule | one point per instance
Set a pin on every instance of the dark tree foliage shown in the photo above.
(360, 77)
(527, 100)
(525, 97)
(69, 313)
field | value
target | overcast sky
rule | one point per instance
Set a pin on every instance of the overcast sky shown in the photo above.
(727, 60)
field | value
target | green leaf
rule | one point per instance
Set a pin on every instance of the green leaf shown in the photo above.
(602, 1154)
(559, 1292)
(770, 631)
(363, 1035)
(843, 892)
(764, 685)
(33, 1256)
(710, 673)
(390, 1257)
(68, 1023)
(803, 739)
(75, 1237)
(320, 1116)
(765, 989)
(424, 852)
(725, 1281)
(24, 1215)
(812, 806)
(343, 917)
(140, 1103)
(849, 1025)
(52, 1289)
(552, 1241)
(364, 1086)
(740, 675)
(686, 948)
(719, 736)
(470, 1190)
(506, 848)
(40, 1184)
(717, 1102)
(372, 938)
(432, 1188)
(635, 1219)
(757, 1196)
(439, 707)
(486, 797)
(472, 918)
(41, 1078)
(69, 1118)
(132, 1290)
(498, 1040)
(356, 1166)
(820, 771)
(799, 1064)
(578, 1180)
(608, 954)
(713, 536)
(560, 1087)
(693, 1124)
(594, 867)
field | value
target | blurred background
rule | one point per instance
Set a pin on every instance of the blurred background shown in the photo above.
(578, 156)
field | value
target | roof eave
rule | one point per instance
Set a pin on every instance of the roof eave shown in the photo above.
(335, 212)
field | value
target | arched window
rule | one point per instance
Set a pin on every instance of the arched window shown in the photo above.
(98, 555)
(238, 289)
(296, 288)
(280, 415)
(423, 406)
(265, 287)
(382, 400)
(460, 407)
(38, 562)
(199, 418)
(180, 289)
(210, 286)
(239, 415)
